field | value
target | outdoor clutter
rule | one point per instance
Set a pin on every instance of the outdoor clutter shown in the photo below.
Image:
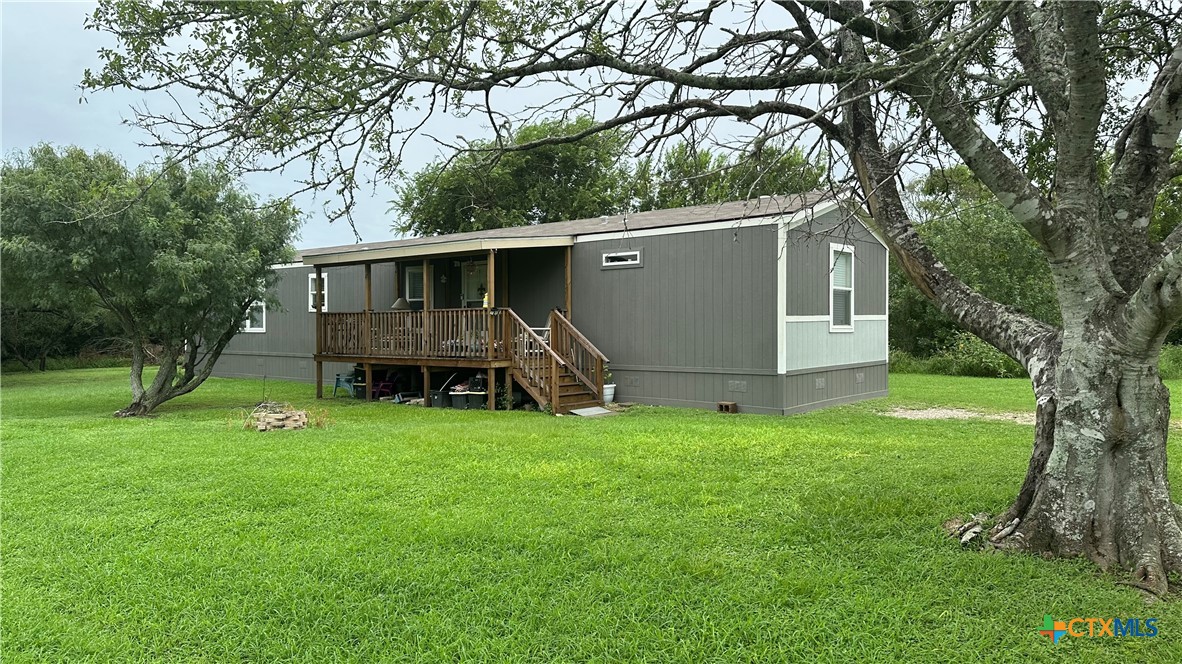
(268, 416)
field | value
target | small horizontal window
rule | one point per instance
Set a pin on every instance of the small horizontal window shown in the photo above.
(614, 259)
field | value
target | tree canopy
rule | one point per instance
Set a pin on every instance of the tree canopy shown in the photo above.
(175, 257)
(481, 189)
(1031, 97)
(484, 188)
(690, 174)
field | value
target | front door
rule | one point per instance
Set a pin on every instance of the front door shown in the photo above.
(473, 281)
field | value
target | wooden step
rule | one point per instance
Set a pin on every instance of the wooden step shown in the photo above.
(568, 407)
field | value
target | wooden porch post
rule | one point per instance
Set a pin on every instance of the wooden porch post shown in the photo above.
(554, 386)
(492, 388)
(569, 314)
(368, 381)
(427, 303)
(492, 277)
(316, 300)
(367, 332)
(426, 386)
(426, 307)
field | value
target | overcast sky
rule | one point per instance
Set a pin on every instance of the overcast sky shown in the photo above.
(45, 52)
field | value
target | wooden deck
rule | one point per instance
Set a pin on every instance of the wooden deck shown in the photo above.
(564, 373)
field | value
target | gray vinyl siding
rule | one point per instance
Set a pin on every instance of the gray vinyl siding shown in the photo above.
(285, 350)
(830, 387)
(808, 267)
(698, 316)
(537, 282)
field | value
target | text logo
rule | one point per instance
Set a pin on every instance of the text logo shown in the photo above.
(1097, 627)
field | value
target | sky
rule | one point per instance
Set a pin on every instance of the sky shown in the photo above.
(46, 49)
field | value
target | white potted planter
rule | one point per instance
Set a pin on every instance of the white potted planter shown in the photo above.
(609, 388)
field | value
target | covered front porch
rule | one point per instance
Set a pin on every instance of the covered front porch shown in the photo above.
(506, 311)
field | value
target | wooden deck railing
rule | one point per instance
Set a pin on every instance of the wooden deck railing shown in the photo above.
(534, 362)
(438, 333)
(469, 334)
(582, 358)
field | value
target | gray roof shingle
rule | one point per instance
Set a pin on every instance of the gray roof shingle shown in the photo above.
(698, 214)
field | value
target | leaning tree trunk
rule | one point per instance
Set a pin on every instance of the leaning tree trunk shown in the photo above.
(1103, 490)
(145, 399)
(167, 385)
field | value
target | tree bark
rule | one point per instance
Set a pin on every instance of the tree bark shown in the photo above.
(1097, 484)
(167, 384)
(145, 400)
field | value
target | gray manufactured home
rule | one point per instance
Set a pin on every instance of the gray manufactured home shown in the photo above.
(778, 305)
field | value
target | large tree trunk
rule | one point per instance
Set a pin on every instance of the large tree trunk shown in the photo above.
(1102, 490)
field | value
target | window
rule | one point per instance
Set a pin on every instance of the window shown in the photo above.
(841, 288)
(312, 292)
(413, 287)
(256, 318)
(615, 259)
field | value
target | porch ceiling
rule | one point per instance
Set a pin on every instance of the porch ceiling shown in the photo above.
(425, 248)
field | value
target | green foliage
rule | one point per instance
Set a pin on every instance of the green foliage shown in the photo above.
(479, 190)
(1170, 365)
(420, 534)
(980, 243)
(174, 257)
(963, 355)
(690, 175)
(70, 363)
(589, 178)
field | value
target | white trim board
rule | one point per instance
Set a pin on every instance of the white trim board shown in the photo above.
(797, 218)
(781, 249)
(823, 318)
(362, 254)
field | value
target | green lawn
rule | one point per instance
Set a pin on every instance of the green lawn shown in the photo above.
(403, 533)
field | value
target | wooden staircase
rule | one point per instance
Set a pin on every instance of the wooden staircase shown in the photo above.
(573, 393)
(564, 372)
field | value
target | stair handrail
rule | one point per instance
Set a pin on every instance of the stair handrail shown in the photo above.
(566, 329)
(534, 335)
(578, 335)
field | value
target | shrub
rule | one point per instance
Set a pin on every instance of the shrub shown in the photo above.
(964, 355)
(967, 355)
(1170, 366)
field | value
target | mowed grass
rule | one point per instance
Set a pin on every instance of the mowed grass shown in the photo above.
(411, 534)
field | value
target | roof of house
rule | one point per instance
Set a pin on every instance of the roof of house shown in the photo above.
(562, 233)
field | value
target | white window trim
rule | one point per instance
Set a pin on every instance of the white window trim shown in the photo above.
(633, 259)
(406, 282)
(835, 249)
(311, 287)
(246, 326)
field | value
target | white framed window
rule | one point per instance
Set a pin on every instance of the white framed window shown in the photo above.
(616, 259)
(412, 287)
(256, 318)
(312, 292)
(841, 288)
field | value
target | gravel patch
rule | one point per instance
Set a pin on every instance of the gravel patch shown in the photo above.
(958, 414)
